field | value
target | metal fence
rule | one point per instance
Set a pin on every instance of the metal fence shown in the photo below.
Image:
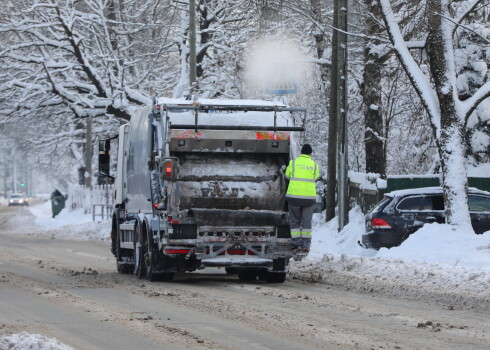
(97, 201)
(365, 198)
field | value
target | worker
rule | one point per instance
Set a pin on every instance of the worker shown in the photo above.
(302, 173)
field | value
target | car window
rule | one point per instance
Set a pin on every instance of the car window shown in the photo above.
(411, 203)
(437, 202)
(381, 204)
(479, 203)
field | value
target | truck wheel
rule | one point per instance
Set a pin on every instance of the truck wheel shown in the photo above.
(139, 253)
(247, 275)
(230, 270)
(261, 274)
(151, 274)
(167, 276)
(275, 277)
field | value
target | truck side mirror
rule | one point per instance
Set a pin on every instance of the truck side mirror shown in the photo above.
(105, 158)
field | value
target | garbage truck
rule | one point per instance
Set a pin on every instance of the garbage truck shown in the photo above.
(200, 183)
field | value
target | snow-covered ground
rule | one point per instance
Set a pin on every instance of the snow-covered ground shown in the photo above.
(26, 341)
(436, 263)
(37, 219)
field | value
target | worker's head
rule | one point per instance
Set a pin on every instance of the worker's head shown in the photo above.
(306, 149)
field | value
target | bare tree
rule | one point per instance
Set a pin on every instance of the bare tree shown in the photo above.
(438, 89)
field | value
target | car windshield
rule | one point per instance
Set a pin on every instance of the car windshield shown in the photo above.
(15, 196)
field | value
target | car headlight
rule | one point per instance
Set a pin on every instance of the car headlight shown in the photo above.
(11, 201)
(21, 201)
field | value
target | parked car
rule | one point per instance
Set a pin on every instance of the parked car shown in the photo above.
(18, 199)
(401, 213)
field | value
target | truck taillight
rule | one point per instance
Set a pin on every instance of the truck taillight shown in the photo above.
(168, 170)
(377, 223)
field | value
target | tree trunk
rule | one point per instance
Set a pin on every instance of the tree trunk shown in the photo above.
(332, 129)
(374, 137)
(451, 143)
(325, 72)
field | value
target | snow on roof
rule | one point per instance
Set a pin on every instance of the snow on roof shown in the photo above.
(428, 190)
(413, 176)
(239, 118)
(219, 102)
(235, 118)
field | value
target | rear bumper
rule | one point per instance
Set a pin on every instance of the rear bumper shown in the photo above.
(377, 240)
(237, 261)
(239, 252)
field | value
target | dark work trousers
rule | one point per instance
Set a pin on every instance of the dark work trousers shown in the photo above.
(300, 224)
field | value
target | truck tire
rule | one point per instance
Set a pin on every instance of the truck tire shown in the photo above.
(278, 272)
(247, 275)
(231, 270)
(275, 277)
(139, 252)
(151, 259)
(167, 276)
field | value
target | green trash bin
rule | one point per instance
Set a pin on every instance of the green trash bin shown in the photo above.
(57, 202)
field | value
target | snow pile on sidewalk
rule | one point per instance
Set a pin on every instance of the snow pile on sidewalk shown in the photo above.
(26, 341)
(436, 263)
(75, 224)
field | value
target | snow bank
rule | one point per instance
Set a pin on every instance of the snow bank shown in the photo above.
(445, 245)
(437, 263)
(26, 341)
(75, 224)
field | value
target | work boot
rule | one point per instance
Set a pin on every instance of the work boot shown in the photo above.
(306, 244)
(298, 244)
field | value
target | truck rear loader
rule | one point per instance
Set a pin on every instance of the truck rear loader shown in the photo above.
(201, 184)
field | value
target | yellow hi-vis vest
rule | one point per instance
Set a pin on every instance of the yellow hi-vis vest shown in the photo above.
(302, 173)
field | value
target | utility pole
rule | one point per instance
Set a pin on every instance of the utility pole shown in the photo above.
(14, 171)
(342, 147)
(338, 116)
(5, 169)
(192, 43)
(88, 154)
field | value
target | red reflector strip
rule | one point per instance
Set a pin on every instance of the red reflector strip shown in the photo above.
(177, 251)
(175, 221)
(236, 252)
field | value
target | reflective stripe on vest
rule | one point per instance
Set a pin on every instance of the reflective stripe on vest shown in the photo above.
(299, 179)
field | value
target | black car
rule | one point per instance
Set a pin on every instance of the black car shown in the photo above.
(403, 212)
